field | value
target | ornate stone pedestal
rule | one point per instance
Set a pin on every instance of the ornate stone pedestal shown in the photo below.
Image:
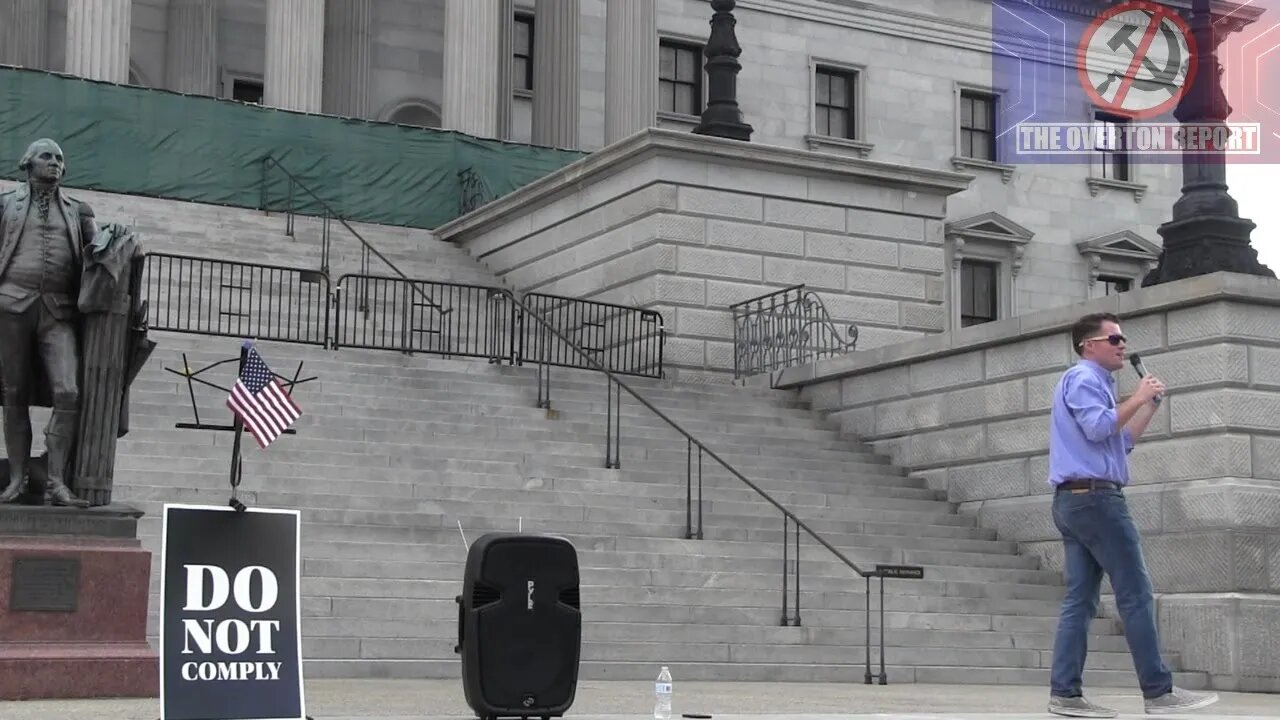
(74, 585)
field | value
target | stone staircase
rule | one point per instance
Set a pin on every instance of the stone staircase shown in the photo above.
(400, 459)
(395, 452)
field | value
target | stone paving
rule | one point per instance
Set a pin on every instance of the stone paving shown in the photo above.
(632, 700)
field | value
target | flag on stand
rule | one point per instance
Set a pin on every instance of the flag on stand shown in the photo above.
(260, 400)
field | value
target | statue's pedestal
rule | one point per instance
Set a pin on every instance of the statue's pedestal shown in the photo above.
(74, 585)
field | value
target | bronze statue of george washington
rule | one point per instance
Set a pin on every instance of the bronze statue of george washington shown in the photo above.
(56, 265)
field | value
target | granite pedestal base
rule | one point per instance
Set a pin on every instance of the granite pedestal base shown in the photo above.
(73, 604)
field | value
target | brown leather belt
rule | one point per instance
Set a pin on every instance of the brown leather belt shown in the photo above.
(1091, 484)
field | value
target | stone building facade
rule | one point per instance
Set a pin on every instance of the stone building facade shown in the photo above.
(903, 82)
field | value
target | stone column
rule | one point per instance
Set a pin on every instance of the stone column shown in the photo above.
(24, 33)
(631, 68)
(191, 47)
(98, 39)
(294, 77)
(347, 57)
(555, 73)
(506, 62)
(472, 31)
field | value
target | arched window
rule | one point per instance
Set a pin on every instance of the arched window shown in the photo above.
(417, 113)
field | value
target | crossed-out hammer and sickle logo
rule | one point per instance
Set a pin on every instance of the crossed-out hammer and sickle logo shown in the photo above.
(1136, 59)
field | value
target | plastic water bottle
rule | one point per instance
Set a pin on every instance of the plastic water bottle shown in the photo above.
(662, 695)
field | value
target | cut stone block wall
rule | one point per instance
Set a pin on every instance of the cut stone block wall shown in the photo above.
(969, 410)
(689, 225)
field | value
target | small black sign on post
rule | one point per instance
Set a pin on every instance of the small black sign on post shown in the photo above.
(230, 620)
(902, 572)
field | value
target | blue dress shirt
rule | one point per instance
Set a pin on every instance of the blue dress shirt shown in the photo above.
(1084, 439)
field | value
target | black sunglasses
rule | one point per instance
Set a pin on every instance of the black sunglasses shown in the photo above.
(1111, 339)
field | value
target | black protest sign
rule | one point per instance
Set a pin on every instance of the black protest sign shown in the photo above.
(230, 634)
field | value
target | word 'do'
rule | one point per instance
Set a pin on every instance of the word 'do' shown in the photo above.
(223, 588)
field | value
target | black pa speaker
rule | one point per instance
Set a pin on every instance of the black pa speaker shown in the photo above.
(520, 626)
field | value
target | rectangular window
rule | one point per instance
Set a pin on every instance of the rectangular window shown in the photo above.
(1115, 285)
(522, 53)
(977, 292)
(680, 77)
(977, 125)
(833, 104)
(1111, 146)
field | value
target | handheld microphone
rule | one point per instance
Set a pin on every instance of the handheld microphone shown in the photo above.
(1136, 361)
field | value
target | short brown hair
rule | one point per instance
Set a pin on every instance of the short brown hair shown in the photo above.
(1087, 326)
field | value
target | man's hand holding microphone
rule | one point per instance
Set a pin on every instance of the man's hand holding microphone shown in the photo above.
(1149, 389)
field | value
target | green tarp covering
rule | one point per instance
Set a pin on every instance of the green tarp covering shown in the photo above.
(162, 144)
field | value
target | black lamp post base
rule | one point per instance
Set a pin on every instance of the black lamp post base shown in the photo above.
(729, 129)
(1206, 244)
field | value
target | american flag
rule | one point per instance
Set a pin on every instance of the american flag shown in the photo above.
(260, 401)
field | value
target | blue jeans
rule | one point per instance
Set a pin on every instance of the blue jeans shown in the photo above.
(1099, 536)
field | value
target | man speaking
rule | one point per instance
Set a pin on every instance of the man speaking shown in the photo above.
(1090, 437)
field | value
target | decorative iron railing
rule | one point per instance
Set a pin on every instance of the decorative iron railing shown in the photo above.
(783, 329)
(236, 299)
(475, 191)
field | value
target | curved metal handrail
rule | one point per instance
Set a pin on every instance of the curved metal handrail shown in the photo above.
(268, 160)
(599, 367)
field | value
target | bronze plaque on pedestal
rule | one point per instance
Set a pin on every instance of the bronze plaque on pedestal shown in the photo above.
(45, 585)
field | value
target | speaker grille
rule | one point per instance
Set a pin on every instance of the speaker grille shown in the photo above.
(482, 595)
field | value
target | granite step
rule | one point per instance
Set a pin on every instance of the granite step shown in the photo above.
(601, 633)
(724, 495)
(850, 672)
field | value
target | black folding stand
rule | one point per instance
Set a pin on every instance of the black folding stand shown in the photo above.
(237, 467)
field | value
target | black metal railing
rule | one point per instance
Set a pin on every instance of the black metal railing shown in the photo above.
(386, 313)
(427, 314)
(792, 524)
(627, 340)
(236, 299)
(300, 305)
(783, 329)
